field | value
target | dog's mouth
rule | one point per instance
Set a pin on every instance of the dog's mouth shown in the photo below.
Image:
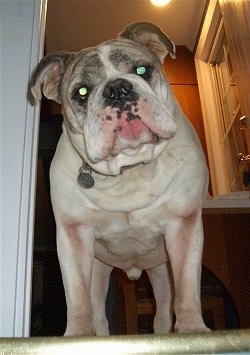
(130, 134)
(122, 111)
(126, 131)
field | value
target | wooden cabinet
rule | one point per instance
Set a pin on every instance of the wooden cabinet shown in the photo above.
(181, 74)
(227, 255)
(236, 18)
(222, 63)
(182, 77)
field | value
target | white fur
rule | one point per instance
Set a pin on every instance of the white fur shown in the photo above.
(136, 218)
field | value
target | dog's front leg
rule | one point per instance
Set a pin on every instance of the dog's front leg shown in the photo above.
(184, 242)
(161, 281)
(75, 246)
(99, 289)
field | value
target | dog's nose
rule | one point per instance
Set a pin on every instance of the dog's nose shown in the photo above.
(117, 89)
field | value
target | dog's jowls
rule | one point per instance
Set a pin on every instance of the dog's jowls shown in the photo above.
(124, 131)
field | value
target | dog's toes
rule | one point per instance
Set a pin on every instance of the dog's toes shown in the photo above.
(79, 327)
(194, 324)
(192, 329)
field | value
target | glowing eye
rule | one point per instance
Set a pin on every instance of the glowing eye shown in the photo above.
(141, 70)
(83, 91)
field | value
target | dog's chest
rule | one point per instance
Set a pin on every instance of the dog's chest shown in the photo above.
(128, 237)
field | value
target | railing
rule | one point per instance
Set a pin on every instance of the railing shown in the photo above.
(220, 342)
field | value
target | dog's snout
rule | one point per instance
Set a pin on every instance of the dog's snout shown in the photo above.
(117, 89)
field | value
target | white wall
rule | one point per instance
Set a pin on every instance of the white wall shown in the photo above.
(21, 46)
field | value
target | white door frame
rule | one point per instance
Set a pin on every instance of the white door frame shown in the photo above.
(22, 27)
(216, 154)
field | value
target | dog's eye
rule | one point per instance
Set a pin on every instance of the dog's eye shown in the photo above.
(141, 70)
(144, 72)
(83, 91)
(80, 95)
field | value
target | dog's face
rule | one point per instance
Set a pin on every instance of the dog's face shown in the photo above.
(114, 97)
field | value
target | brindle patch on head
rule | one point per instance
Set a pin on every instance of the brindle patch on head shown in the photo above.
(126, 58)
(117, 56)
(87, 71)
(89, 68)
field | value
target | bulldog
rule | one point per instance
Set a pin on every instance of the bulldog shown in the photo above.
(128, 179)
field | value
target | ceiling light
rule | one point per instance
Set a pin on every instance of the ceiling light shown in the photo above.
(160, 2)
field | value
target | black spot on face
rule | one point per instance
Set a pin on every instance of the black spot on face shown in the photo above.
(127, 107)
(131, 116)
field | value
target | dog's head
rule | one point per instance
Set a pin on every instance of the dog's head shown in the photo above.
(117, 105)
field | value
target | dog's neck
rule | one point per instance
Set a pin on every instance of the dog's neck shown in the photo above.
(85, 178)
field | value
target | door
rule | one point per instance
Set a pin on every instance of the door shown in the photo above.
(236, 17)
(232, 123)
(223, 67)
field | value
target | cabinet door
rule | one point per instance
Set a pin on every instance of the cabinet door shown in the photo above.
(236, 17)
(230, 114)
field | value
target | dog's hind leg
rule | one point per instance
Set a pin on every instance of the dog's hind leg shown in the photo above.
(99, 288)
(160, 278)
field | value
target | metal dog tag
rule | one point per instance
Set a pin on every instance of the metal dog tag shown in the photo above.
(84, 178)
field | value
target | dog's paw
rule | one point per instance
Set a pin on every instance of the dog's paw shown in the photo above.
(202, 328)
(194, 325)
(79, 325)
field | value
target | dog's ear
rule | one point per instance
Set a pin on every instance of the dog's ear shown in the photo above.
(48, 75)
(150, 35)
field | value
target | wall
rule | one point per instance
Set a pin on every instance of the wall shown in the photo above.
(21, 45)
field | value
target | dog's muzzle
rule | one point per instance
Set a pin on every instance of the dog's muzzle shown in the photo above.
(130, 120)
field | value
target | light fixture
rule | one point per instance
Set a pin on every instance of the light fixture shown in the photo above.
(160, 3)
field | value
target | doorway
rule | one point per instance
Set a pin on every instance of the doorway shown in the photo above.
(49, 297)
